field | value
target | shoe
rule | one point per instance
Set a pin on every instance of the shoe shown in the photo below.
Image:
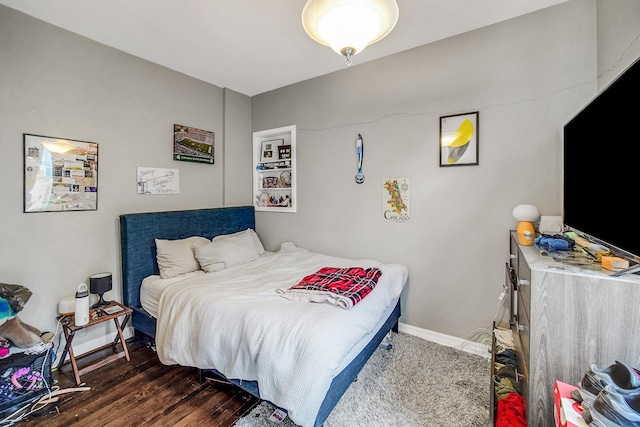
(612, 409)
(46, 337)
(623, 379)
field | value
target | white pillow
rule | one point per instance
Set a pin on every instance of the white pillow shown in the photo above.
(256, 240)
(176, 257)
(225, 253)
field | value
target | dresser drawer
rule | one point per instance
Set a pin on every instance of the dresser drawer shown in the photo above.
(522, 330)
(510, 282)
(521, 349)
(524, 287)
(513, 253)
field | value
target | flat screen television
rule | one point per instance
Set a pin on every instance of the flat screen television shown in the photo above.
(602, 167)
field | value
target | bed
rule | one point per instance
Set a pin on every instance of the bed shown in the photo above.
(168, 323)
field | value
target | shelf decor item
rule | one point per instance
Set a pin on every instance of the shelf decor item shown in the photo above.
(459, 139)
(60, 174)
(270, 182)
(269, 150)
(285, 179)
(284, 152)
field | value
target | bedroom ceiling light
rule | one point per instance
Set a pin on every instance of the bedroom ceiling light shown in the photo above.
(348, 26)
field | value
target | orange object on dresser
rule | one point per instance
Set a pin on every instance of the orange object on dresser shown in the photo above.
(614, 263)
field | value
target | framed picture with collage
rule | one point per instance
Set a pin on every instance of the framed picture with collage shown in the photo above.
(59, 174)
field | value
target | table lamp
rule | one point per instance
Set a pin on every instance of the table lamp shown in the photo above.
(526, 215)
(99, 284)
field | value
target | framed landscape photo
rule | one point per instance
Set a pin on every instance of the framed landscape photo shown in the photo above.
(269, 152)
(60, 174)
(459, 139)
(193, 145)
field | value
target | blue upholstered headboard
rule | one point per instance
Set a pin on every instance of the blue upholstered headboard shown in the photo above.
(138, 232)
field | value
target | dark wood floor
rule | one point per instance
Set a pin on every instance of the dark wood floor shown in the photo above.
(142, 392)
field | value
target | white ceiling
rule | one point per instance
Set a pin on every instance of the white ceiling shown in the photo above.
(254, 46)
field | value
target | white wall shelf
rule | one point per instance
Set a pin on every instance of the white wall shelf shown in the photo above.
(274, 169)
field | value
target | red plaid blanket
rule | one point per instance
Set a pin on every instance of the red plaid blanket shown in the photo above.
(343, 287)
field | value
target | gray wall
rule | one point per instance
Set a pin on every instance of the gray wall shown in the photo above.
(237, 170)
(618, 37)
(56, 83)
(526, 77)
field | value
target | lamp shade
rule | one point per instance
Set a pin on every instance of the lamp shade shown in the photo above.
(348, 26)
(99, 284)
(528, 213)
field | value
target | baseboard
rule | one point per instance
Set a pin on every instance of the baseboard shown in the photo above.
(448, 340)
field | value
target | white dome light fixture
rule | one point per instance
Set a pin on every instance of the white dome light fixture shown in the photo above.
(348, 26)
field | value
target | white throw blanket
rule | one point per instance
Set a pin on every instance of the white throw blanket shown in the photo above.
(234, 321)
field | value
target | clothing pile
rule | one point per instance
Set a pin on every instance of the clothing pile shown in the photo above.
(508, 389)
(15, 335)
(556, 242)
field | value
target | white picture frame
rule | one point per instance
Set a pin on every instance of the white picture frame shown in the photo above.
(269, 151)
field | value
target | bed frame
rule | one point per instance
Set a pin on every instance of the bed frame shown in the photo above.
(138, 232)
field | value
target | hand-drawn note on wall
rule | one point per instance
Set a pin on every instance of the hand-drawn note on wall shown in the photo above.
(158, 181)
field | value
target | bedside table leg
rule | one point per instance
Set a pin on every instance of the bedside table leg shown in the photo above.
(120, 337)
(68, 348)
(68, 340)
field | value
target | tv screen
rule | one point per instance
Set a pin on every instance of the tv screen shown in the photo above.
(602, 165)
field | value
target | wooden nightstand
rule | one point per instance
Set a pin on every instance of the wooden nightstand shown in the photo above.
(96, 316)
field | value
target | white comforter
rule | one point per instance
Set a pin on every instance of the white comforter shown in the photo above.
(234, 321)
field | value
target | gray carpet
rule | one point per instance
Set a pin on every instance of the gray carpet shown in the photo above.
(417, 383)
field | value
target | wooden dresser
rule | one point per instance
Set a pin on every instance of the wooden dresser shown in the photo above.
(565, 317)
